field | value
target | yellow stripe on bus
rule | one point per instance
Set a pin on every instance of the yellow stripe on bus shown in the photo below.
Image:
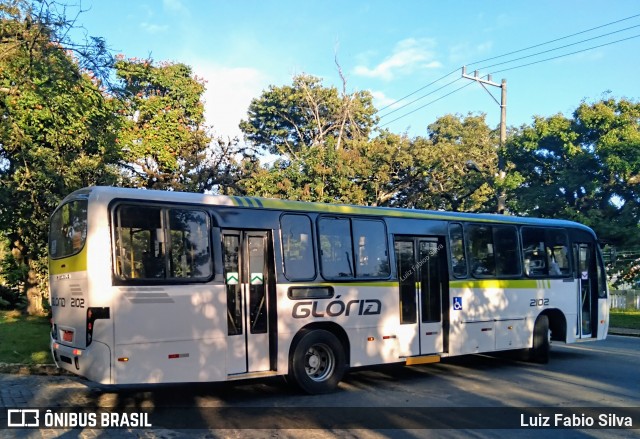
(77, 262)
(495, 283)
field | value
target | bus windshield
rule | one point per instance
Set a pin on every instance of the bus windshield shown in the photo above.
(68, 229)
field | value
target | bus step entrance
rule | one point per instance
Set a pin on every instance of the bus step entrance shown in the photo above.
(423, 359)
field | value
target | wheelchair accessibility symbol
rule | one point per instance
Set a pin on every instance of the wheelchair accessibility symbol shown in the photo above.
(457, 303)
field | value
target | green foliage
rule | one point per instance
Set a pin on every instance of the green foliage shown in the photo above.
(454, 168)
(162, 136)
(288, 120)
(585, 168)
(57, 135)
(316, 130)
(386, 170)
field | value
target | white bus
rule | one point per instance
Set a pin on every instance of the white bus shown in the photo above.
(157, 287)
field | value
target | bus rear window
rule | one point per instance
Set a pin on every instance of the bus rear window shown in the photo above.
(68, 230)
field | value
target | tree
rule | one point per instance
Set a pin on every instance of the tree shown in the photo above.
(55, 126)
(287, 120)
(163, 137)
(315, 130)
(452, 169)
(584, 168)
(328, 154)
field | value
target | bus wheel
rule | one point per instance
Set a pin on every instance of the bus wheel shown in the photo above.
(539, 352)
(317, 364)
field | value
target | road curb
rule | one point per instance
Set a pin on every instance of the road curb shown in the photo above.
(625, 331)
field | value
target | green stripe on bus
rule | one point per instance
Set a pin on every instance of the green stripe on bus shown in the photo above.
(495, 283)
(72, 264)
(341, 209)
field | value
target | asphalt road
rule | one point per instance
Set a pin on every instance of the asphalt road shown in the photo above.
(477, 395)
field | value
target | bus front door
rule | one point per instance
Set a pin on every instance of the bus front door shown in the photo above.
(421, 288)
(246, 262)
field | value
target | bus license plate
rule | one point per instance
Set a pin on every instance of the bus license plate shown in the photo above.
(67, 336)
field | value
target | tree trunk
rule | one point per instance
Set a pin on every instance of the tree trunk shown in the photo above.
(33, 293)
(31, 286)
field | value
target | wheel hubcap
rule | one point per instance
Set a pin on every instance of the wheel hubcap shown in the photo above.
(319, 362)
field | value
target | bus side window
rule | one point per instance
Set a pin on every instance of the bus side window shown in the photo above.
(456, 245)
(480, 250)
(190, 256)
(507, 250)
(370, 244)
(336, 257)
(297, 247)
(545, 252)
(558, 252)
(140, 242)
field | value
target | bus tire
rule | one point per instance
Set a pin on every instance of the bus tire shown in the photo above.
(539, 352)
(317, 364)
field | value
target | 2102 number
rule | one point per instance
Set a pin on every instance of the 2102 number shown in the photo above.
(539, 302)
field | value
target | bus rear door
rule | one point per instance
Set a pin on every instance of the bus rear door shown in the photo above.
(421, 280)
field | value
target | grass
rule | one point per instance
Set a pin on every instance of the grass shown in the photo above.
(629, 318)
(24, 339)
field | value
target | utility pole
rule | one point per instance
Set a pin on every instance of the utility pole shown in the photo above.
(503, 128)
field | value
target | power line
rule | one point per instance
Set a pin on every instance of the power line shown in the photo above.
(553, 41)
(421, 97)
(566, 54)
(510, 61)
(512, 68)
(558, 48)
(416, 91)
(428, 103)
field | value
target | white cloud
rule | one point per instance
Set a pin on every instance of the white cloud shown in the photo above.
(154, 28)
(174, 5)
(228, 95)
(408, 56)
(381, 100)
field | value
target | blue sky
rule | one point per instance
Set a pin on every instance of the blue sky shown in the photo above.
(390, 48)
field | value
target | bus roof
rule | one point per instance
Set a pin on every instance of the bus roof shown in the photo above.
(107, 193)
